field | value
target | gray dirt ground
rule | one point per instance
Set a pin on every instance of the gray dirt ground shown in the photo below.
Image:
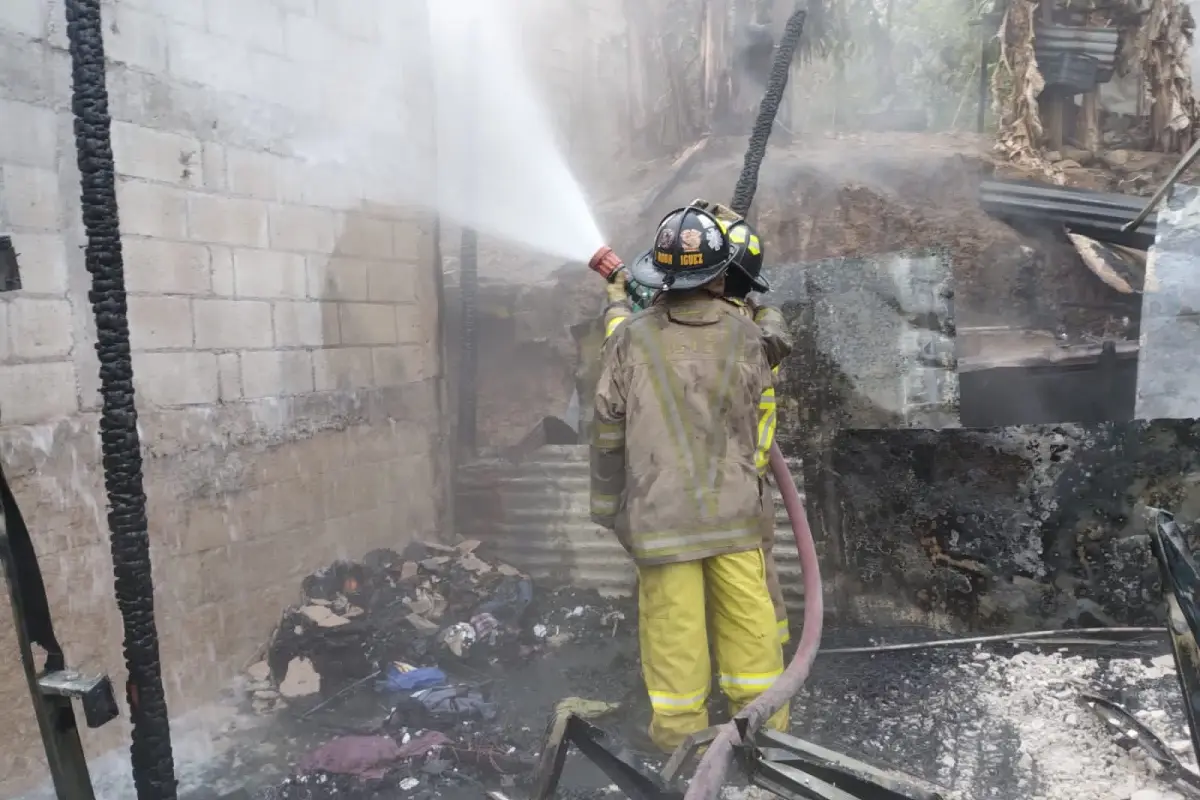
(983, 723)
(999, 723)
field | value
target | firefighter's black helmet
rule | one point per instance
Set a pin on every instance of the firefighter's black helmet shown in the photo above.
(690, 249)
(745, 274)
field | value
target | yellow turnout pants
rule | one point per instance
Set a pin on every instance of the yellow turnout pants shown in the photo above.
(673, 602)
(775, 590)
(772, 571)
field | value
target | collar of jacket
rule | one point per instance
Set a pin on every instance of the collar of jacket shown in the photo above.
(695, 308)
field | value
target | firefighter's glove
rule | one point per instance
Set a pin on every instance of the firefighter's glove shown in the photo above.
(615, 289)
(723, 213)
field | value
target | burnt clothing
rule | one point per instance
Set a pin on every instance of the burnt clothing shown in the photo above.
(676, 429)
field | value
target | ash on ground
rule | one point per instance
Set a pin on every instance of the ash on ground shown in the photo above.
(998, 723)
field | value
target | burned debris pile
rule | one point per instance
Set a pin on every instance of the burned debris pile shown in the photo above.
(407, 674)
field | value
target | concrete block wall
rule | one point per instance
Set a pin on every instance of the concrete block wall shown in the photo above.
(282, 304)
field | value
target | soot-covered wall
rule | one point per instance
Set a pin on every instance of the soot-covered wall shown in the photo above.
(925, 522)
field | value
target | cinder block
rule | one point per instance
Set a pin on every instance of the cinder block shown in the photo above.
(232, 324)
(330, 186)
(136, 38)
(24, 17)
(39, 329)
(342, 368)
(256, 24)
(26, 72)
(227, 220)
(213, 61)
(186, 13)
(271, 373)
(229, 376)
(223, 283)
(148, 209)
(176, 379)
(396, 366)
(43, 261)
(365, 237)
(214, 167)
(426, 282)
(253, 174)
(36, 392)
(160, 323)
(157, 156)
(409, 240)
(281, 81)
(302, 230)
(367, 323)
(337, 278)
(306, 324)
(392, 281)
(38, 143)
(155, 266)
(30, 197)
(415, 324)
(266, 273)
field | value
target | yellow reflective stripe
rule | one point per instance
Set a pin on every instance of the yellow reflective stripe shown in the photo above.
(608, 435)
(611, 327)
(659, 545)
(678, 702)
(751, 680)
(775, 371)
(604, 505)
(766, 436)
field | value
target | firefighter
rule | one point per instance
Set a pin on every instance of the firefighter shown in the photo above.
(673, 475)
(745, 276)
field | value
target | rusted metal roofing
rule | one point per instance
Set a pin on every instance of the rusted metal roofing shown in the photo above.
(534, 514)
(1098, 43)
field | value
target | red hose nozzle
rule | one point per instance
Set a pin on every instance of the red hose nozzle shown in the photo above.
(606, 263)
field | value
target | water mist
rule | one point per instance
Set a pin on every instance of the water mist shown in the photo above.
(499, 169)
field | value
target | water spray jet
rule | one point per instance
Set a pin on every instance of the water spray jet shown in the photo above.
(500, 169)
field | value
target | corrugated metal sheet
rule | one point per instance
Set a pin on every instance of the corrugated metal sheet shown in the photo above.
(1097, 43)
(534, 513)
(1101, 215)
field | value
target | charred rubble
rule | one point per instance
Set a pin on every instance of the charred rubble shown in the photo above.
(425, 670)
